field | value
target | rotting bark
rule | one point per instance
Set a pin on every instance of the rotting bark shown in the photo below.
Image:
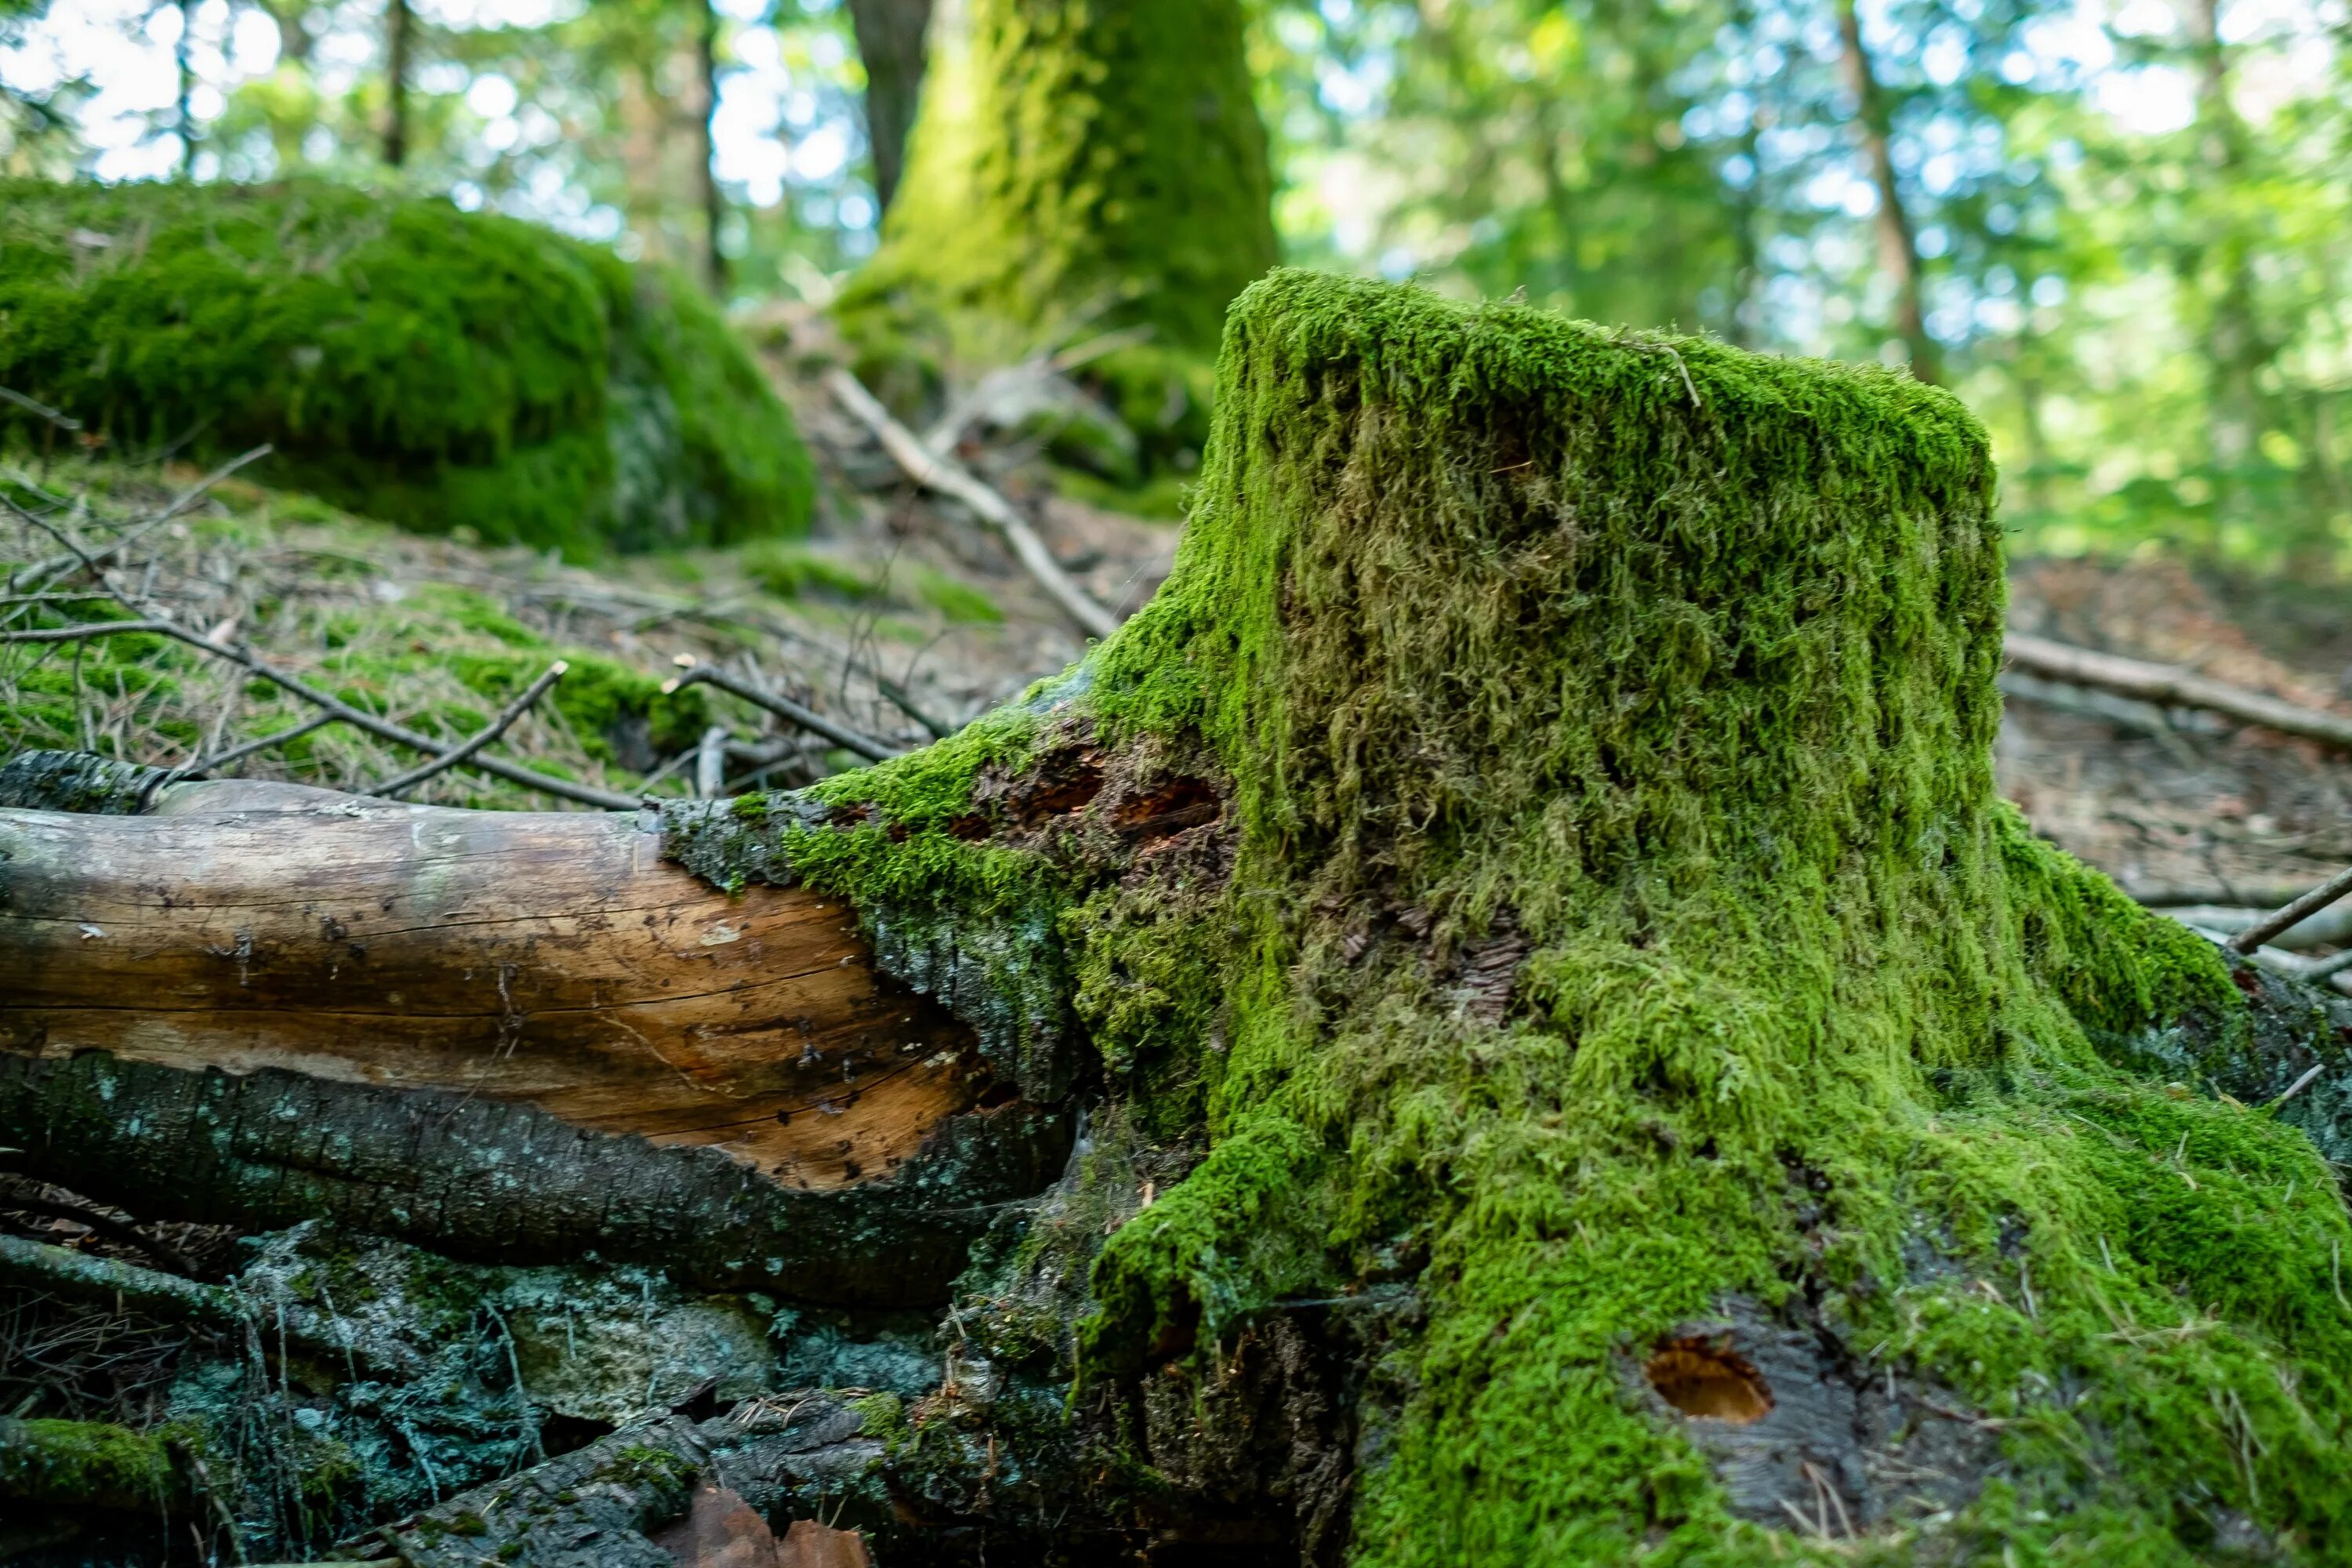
(1577, 1060)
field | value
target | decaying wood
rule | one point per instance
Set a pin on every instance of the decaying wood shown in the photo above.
(2164, 684)
(551, 960)
(263, 1002)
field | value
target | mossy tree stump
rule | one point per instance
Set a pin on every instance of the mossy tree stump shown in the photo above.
(1582, 1065)
(1616, 933)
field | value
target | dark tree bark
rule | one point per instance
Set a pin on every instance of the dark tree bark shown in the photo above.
(1898, 248)
(400, 41)
(714, 198)
(890, 41)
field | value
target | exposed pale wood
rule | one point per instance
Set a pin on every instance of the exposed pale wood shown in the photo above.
(553, 960)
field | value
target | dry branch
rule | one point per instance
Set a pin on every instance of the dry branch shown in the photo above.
(2165, 684)
(841, 735)
(465, 749)
(383, 729)
(2292, 914)
(933, 471)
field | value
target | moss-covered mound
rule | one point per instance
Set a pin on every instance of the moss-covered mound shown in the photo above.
(1076, 167)
(1625, 945)
(432, 367)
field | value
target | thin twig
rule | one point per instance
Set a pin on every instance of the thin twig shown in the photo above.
(106, 1225)
(710, 764)
(2298, 1086)
(2163, 683)
(703, 674)
(465, 749)
(2311, 903)
(934, 472)
(237, 753)
(383, 729)
(57, 418)
(99, 556)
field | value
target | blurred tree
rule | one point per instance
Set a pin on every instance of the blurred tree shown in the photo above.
(1075, 162)
(890, 40)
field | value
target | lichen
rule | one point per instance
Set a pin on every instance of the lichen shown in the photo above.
(417, 364)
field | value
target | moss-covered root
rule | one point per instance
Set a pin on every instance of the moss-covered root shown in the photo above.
(1076, 166)
(1624, 920)
(85, 1465)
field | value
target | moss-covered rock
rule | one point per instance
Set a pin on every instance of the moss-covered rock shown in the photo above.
(1075, 166)
(1621, 941)
(432, 367)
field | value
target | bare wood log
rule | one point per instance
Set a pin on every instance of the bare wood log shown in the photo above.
(2164, 683)
(308, 1003)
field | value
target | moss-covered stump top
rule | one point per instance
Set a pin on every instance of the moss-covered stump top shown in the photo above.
(1616, 933)
(409, 361)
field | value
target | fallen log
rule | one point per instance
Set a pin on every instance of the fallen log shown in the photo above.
(310, 1003)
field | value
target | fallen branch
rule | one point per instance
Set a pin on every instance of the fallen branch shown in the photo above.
(701, 674)
(933, 471)
(100, 1221)
(2327, 927)
(2164, 683)
(464, 750)
(103, 1282)
(383, 729)
(2311, 903)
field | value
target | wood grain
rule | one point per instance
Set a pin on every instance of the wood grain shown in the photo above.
(550, 959)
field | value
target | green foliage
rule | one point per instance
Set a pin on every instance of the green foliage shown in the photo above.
(1075, 166)
(1675, 665)
(434, 368)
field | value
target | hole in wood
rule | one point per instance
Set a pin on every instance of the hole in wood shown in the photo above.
(1699, 1377)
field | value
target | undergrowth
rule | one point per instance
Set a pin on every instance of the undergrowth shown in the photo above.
(426, 635)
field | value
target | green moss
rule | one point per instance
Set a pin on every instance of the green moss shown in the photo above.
(85, 1464)
(1673, 666)
(434, 368)
(1075, 166)
(792, 572)
(956, 599)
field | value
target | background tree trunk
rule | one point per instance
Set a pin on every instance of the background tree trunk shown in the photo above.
(1898, 247)
(890, 43)
(400, 41)
(1140, 197)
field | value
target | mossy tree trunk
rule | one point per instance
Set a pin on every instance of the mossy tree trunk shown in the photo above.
(1075, 166)
(1579, 1066)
